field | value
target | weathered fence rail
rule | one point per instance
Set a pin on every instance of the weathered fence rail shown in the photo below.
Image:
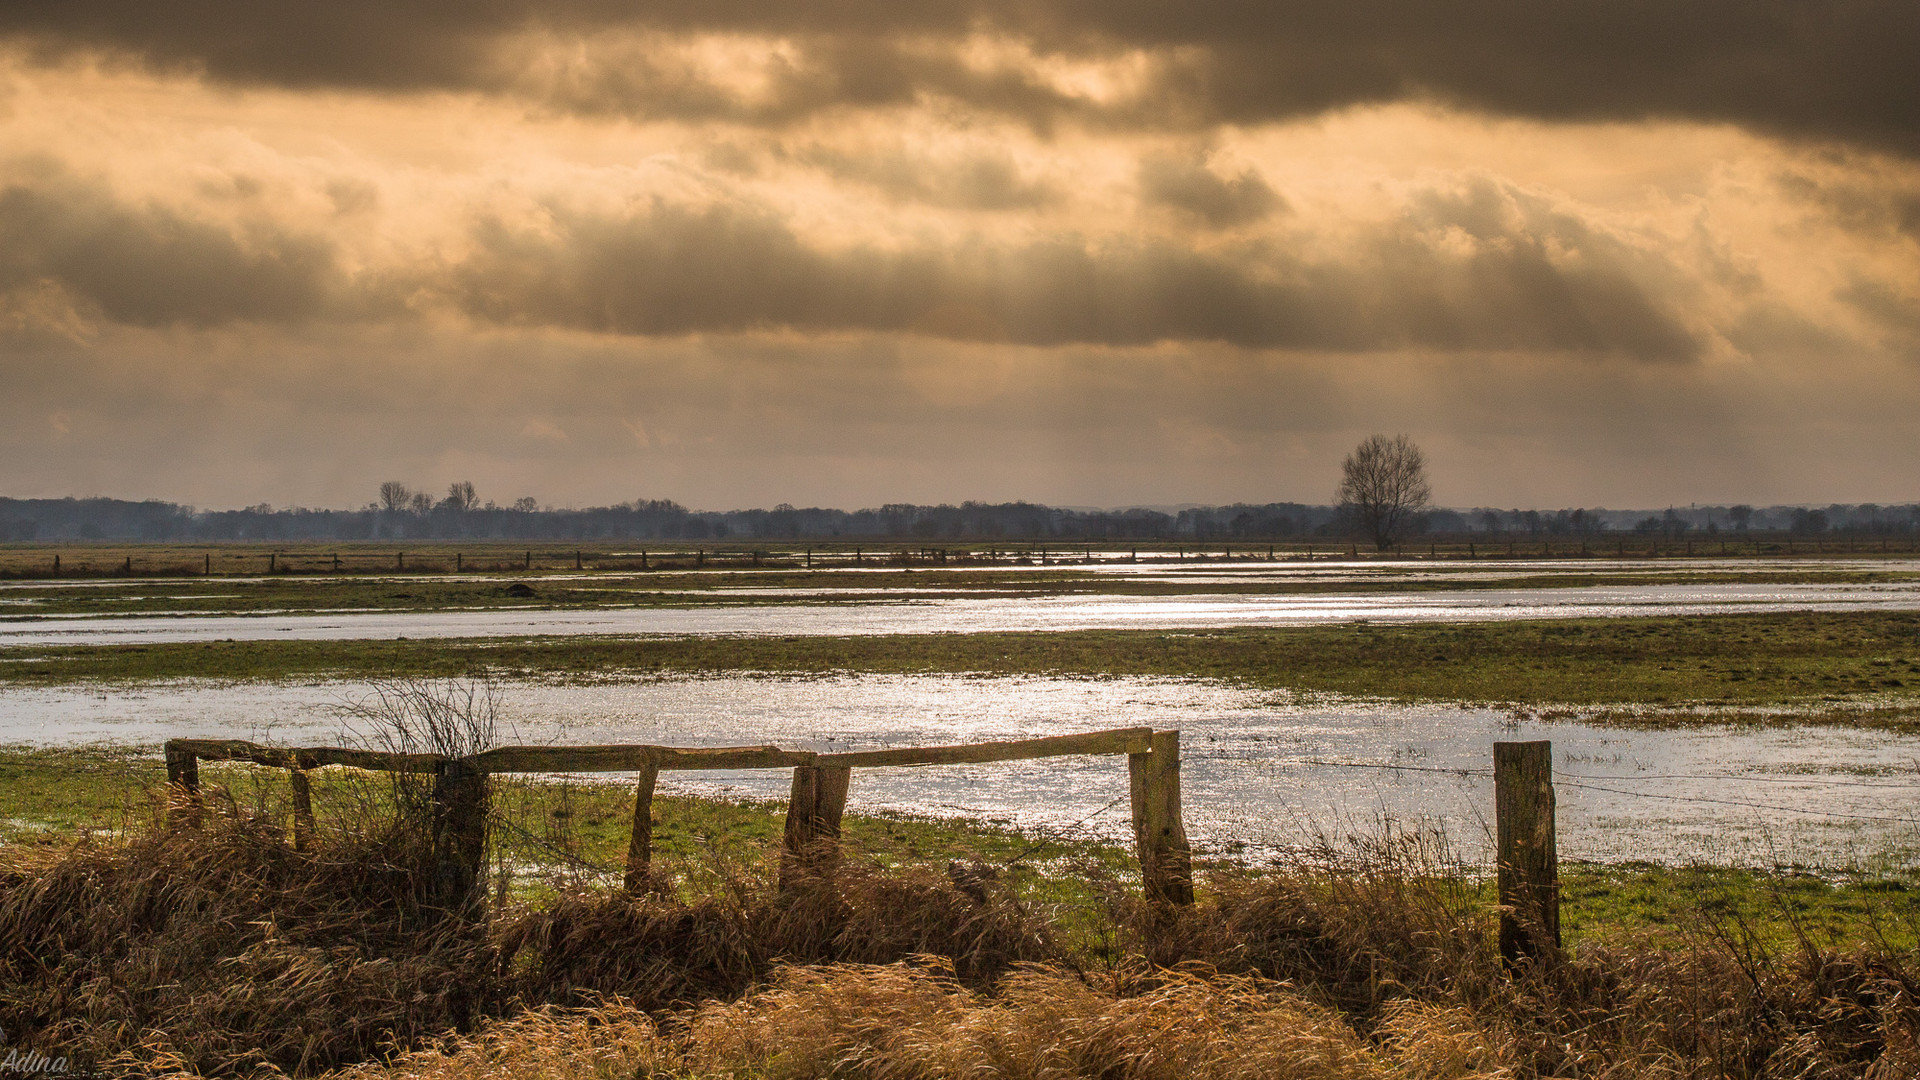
(1527, 861)
(815, 805)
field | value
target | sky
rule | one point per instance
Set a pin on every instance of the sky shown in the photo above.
(1584, 252)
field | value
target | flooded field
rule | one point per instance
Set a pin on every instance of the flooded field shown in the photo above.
(907, 615)
(1262, 770)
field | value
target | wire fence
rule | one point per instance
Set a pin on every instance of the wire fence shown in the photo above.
(1574, 780)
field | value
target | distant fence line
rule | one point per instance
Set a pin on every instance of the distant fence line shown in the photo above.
(449, 557)
(815, 806)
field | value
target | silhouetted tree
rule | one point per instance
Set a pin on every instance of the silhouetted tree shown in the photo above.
(394, 496)
(1809, 522)
(1383, 488)
(460, 496)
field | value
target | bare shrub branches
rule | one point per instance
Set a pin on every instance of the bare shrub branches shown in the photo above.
(452, 718)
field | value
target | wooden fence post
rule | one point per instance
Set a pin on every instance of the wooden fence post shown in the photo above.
(183, 790)
(459, 833)
(1529, 868)
(800, 801)
(818, 799)
(1159, 835)
(302, 806)
(640, 847)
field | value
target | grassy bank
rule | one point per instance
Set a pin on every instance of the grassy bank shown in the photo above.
(566, 835)
(223, 951)
(1851, 668)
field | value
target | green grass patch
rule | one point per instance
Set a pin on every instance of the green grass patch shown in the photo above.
(245, 589)
(1850, 668)
(558, 835)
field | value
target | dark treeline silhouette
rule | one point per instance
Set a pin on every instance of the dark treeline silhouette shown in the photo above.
(405, 514)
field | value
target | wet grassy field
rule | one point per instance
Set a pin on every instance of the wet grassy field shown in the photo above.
(227, 950)
(564, 835)
(1841, 668)
(111, 580)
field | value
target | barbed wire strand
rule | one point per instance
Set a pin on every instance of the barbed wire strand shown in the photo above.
(1571, 780)
(1476, 772)
(1061, 834)
(1823, 782)
(1737, 802)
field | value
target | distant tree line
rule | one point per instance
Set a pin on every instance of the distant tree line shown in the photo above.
(1851, 519)
(402, 512)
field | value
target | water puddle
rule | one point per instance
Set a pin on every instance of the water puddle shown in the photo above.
(1261, 771)
(978, 614)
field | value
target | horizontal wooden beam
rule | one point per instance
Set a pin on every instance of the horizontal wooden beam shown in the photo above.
(629, 758)
(1118, 741)
(305, 757)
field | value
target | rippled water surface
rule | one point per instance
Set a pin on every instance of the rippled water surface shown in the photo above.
(909, 616)
(1258, 768)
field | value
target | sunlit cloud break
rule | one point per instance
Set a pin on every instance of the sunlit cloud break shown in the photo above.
(734, 255)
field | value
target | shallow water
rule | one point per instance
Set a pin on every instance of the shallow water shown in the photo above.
(979, 614)
(1257, 772)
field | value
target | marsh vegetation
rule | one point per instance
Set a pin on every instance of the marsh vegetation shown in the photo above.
(225, 950)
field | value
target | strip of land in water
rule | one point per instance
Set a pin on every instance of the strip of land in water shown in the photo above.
(437, 587)
(1823, 667)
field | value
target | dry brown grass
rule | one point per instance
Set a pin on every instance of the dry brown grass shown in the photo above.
(1358, 924)
(663, 952)
(911, 1022)
(1399, 944)
(611, 1041)
(226, 950)
(915, 1021)
(223, 951)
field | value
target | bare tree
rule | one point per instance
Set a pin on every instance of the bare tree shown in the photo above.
(1383, 488)
(394, 496)
(460, 496)
(421, 503)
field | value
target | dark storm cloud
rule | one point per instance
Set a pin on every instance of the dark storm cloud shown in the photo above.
(1466, 270)
(149, 266)
(1840, 69)
(1187, 185)
(1863, 202)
